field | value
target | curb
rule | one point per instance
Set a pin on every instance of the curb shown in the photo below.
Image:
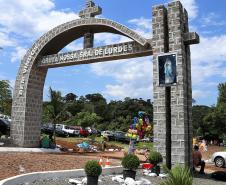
(31, 177)
(29, 150)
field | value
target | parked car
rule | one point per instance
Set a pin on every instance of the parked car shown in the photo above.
(96, 132)
(147, 139)
(83, 132)
(219, 158)
(89, 129)
(108, 134)
(61, 133)
(5, 117)
(4, 126)
(67, 129)
(48, 129)
(121, 136)
(93, 131)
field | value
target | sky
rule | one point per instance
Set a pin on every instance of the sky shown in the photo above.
(22, 22)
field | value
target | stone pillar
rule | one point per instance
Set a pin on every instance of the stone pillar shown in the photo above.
(169, 27)
(181, 93)
(189, 90)
(88, 40)
(159, 45)
(27, 108)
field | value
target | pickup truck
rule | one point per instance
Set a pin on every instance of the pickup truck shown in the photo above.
(68, 129)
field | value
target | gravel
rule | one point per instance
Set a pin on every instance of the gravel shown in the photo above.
(107, 180)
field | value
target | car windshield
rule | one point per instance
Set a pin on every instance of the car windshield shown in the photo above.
(67, 127)
(3, 121)
(59, 126)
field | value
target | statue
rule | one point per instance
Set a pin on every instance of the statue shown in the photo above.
(168, 70)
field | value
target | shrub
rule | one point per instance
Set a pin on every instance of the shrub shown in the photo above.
(92, 168)
(155, 157)
(178, 175)
(130, 162)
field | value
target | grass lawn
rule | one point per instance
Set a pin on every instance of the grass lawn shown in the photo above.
(72, 139)
(144, 145)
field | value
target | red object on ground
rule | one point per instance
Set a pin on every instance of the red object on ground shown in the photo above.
(147, 166)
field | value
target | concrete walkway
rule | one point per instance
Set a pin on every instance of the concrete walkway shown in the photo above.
(35, 150)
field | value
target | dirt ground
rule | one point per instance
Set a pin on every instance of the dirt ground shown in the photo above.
(18, 163)
(207, 155)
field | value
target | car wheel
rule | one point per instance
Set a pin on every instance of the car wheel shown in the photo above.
(219, 162)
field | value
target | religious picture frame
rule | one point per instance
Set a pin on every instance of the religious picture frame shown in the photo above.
(167, 69)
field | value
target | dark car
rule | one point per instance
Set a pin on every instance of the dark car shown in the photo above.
(48, 129)
(96, 132)
(121, 137)
(4, 126)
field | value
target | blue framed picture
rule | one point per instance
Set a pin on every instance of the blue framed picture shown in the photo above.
(167, 68)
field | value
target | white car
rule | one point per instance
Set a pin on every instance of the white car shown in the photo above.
(107, 133)
(219, 158)
(67, 129)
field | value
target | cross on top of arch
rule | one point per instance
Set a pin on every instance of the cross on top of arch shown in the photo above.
(91, 10)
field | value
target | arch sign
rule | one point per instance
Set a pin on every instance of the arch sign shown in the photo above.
(170, 34)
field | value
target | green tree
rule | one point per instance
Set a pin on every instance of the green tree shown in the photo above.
(56, 109)
(216, 119)
(200, 126)
(70, 97)
(222, 94)
(85, 119)
(5, 97)
(96, 103)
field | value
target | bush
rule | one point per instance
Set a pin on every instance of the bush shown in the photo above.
(155, 157)
(130, 162)
(92, 168)
(178, 175)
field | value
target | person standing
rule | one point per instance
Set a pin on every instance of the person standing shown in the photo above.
(131, 146)
(197, 159)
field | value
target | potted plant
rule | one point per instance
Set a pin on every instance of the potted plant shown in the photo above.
(178, 175)
(155, 158)
(93, 171)
(130, 164)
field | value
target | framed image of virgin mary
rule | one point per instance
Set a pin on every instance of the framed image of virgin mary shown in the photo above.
(167, 64)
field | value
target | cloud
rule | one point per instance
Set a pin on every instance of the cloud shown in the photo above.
(31, 18)
(211, 50)
(191, 7)
(76, 45)
(18, 54)
(5, 40)
(22, 22)
(143, 26)
(197, 94)
(133, 78)
(109, 38)
(212, 19)
(208, 64)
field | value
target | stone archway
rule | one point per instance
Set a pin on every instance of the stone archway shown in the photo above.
(170, 33)
(28, 92)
